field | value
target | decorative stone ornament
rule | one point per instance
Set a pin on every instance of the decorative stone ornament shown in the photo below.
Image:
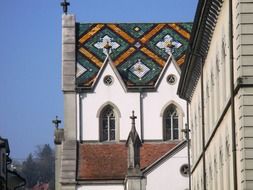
(171, 79)
(184, 170)
(108, 80)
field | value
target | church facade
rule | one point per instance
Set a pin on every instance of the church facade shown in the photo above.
(122, 116)
(217, 83)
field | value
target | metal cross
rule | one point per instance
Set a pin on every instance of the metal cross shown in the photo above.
(56, 122)
(65, 5)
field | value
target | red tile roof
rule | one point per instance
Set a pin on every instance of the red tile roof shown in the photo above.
(41, 186)
(109, 161)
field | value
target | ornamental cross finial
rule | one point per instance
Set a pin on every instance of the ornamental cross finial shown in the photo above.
(56, 122)
(133, 117)
(65, 5)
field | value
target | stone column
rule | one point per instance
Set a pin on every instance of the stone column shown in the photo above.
(68, 75)
(68, 157)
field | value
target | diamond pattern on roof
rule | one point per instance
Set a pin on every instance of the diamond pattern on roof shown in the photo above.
(132, 79)
(80, 70)
(106, 41)
(139, 69)
(139, 51)
(168, 44)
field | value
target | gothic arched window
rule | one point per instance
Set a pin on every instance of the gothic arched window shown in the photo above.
(107, 124)
(170, 119)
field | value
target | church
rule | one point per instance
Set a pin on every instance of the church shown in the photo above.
(133, 91)
(123, 119)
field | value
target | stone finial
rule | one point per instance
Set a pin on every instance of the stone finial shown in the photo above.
(133, 135)
(133, 143)
(58, 133)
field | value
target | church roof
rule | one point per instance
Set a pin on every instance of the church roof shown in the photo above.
(109, 161)
(139, 51)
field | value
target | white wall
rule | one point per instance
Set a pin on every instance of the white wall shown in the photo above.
(101, 187)
(155, 102)
(216, 96)
(125, 102)
(153, 105)
(168, 176)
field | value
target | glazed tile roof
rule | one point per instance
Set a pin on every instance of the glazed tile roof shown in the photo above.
(109, 161)
(139, 51)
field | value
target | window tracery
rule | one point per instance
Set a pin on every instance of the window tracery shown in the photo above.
(107, 124)
(171, 123)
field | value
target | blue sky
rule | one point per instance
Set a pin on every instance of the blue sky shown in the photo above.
(30, 58)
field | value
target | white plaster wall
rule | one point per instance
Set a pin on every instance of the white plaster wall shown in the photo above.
(195, 123)
(92, 102)
(218, 153)
(197, 178)
(100, 187)
(155, 102)
(167, 175)
(153, 105)
(218, 157)
(218, 92)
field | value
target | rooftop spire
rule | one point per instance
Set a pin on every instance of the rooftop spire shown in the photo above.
(65, 5)
(133, 143)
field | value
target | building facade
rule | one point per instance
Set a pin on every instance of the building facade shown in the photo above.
(9, 178)
(4, 151)
(217, 83)
(109, 71)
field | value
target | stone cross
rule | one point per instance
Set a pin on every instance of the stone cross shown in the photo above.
(65, 5)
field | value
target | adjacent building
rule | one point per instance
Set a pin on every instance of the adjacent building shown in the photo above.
(217, 82)
(9, 178)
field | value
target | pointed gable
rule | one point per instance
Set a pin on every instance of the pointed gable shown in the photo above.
(108, 69)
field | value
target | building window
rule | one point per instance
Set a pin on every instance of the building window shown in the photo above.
(171, 79)
(184, 170)
(107, 124)
(170, 123)
(108, 80)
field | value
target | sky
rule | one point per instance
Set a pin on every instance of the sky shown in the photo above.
(30, 59)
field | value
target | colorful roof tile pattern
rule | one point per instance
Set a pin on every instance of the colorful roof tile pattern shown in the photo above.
(139, 51)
